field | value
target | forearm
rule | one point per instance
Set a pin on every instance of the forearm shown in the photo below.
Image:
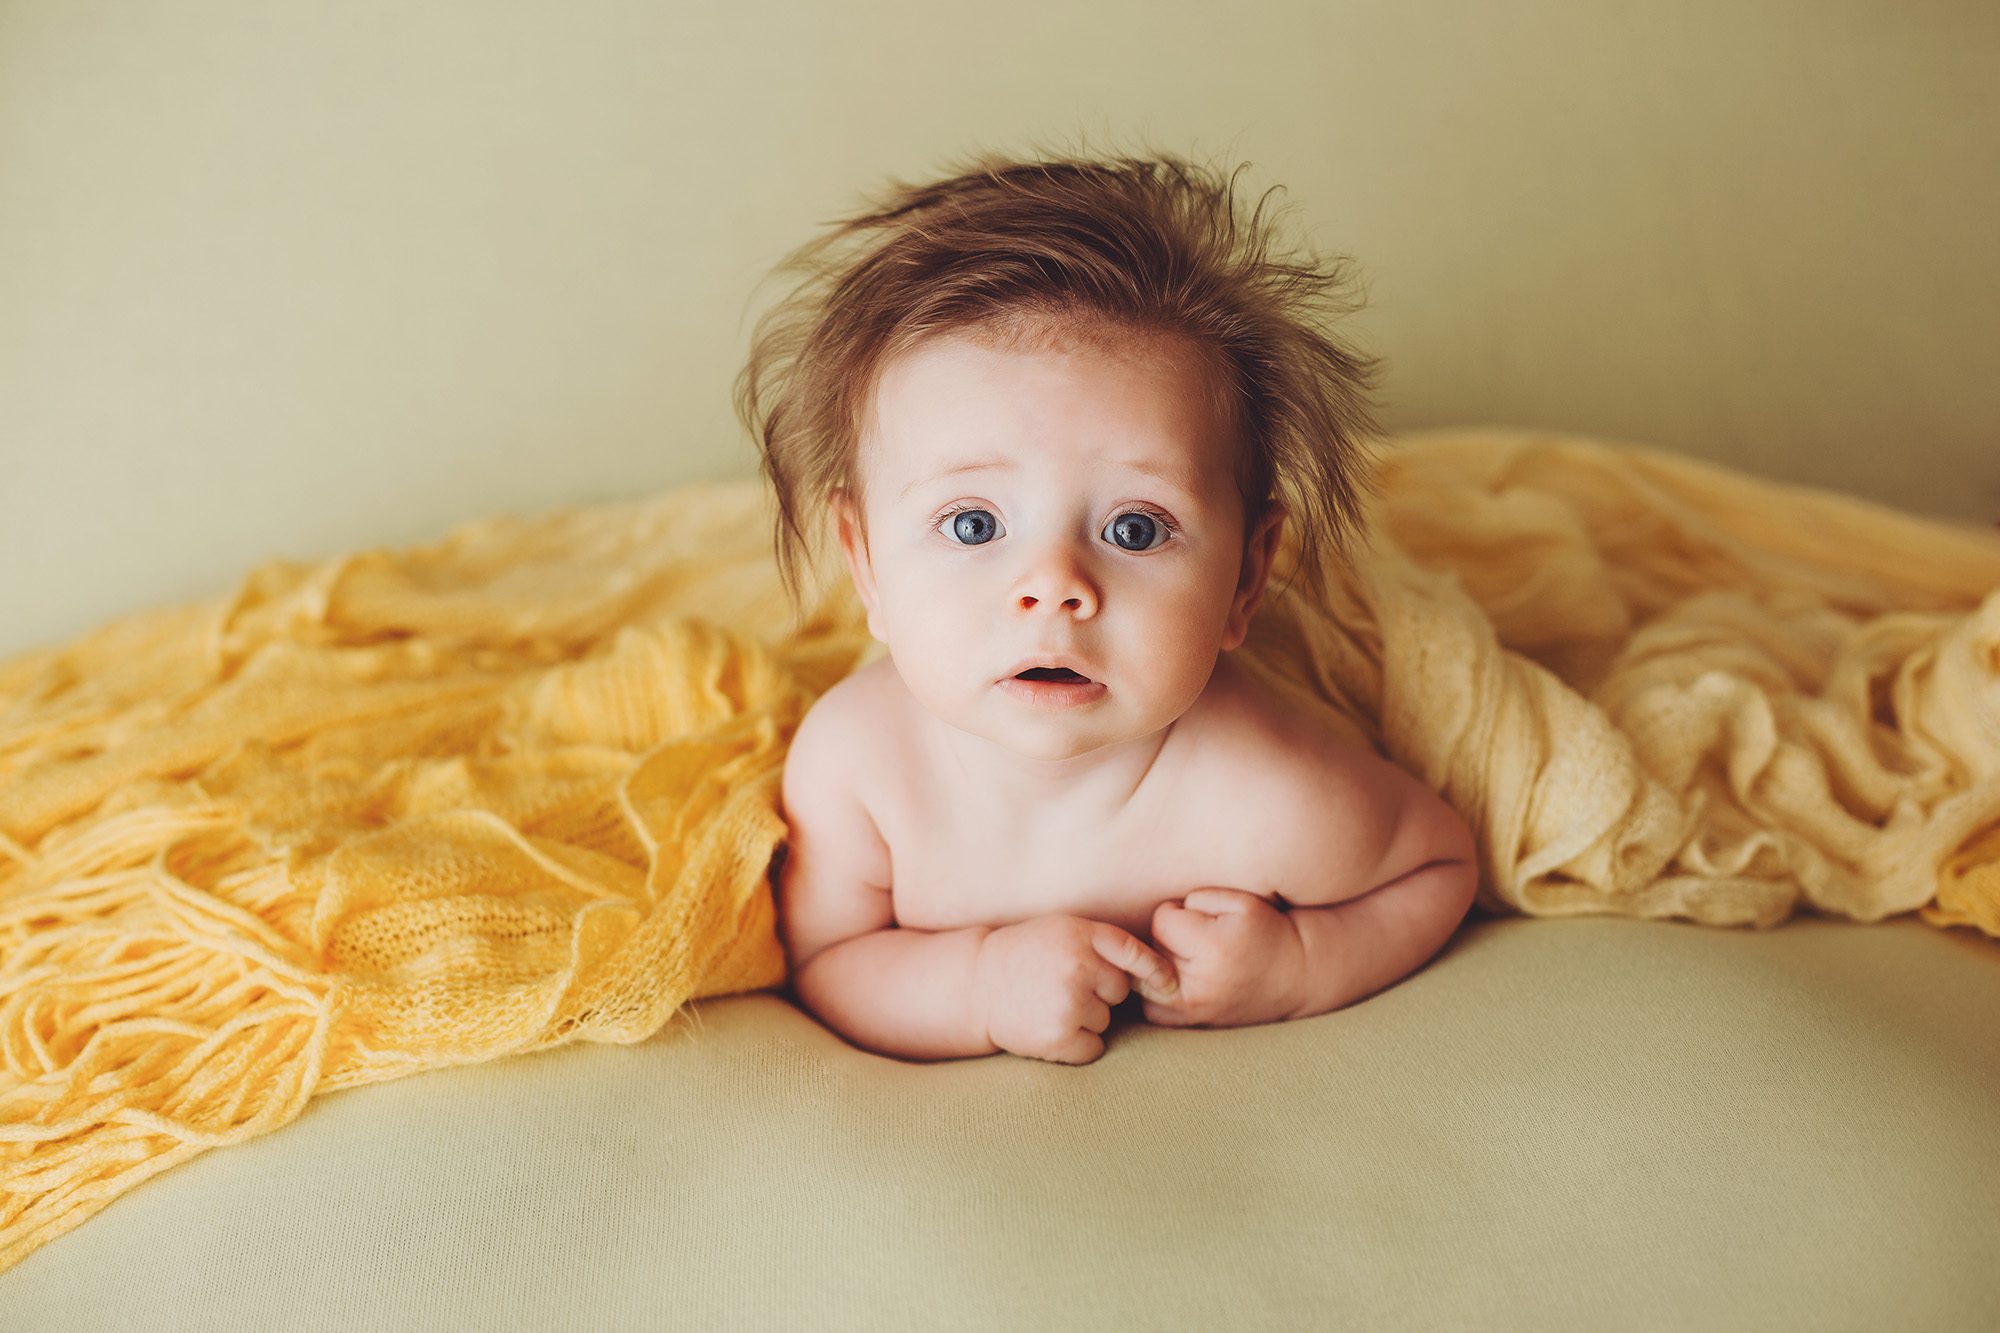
(900, 992)
(1360, 946)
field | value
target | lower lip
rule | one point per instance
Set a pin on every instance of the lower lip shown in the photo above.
(1055, 693)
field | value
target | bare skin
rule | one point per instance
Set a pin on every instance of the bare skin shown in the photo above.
(963, 857)
(1035, 855)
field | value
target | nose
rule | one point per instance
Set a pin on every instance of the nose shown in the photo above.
(1057, 580)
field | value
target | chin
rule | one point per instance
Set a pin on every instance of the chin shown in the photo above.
(1051, 748)
(1028, 737)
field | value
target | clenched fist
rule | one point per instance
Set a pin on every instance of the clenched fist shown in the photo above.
(1239, 959)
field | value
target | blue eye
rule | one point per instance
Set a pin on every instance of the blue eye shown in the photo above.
(973, 527)
(1135, 529)
(1132, 530)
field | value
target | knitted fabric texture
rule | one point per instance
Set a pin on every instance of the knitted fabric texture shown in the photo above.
(401, 809)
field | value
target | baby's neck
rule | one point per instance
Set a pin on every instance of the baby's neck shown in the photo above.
(1084, 789)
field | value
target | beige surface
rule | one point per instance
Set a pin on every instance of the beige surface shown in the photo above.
(1559, 1124)
(289, 279)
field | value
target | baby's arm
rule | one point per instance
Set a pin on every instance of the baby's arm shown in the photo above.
(897, 992)
(1401, 877)
(1042, 987)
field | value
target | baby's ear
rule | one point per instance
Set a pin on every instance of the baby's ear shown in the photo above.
(1258, 552)
(1270, 526)
(854, 546)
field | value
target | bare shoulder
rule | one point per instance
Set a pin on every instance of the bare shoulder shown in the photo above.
(856, 715)
(1319, 811)
(836, 759)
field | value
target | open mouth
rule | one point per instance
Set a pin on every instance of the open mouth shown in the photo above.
(1054, 687)
(1052, 673)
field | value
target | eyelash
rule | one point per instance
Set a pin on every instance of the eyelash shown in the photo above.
(1173, 529)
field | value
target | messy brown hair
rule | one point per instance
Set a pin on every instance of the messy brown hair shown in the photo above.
(1069, 245)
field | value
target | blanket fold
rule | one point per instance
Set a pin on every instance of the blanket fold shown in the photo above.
(395, 810)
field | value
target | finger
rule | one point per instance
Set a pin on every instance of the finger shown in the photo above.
(1164, 1015)
(1097, 1016)
(1216, 901)
(1082, 1049)
(1172, 930)
(1113, 985)
(1177, 918)
(1122, 949)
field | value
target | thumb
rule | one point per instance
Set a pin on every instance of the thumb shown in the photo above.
(1216, 901)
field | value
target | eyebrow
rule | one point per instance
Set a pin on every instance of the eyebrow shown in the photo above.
(1152, 470)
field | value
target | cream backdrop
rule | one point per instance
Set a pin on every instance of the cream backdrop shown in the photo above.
(289, 278)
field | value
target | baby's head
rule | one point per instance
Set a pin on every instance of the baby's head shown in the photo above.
(1060, 409)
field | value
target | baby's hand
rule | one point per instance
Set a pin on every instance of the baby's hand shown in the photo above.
(1240, 960)
(1045, 986)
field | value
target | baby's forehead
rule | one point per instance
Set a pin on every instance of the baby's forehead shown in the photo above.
(958, 393)
(1096, 339)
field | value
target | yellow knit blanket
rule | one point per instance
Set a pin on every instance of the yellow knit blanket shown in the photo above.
(402, 809)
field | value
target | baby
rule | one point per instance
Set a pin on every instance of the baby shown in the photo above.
(1050, 407)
